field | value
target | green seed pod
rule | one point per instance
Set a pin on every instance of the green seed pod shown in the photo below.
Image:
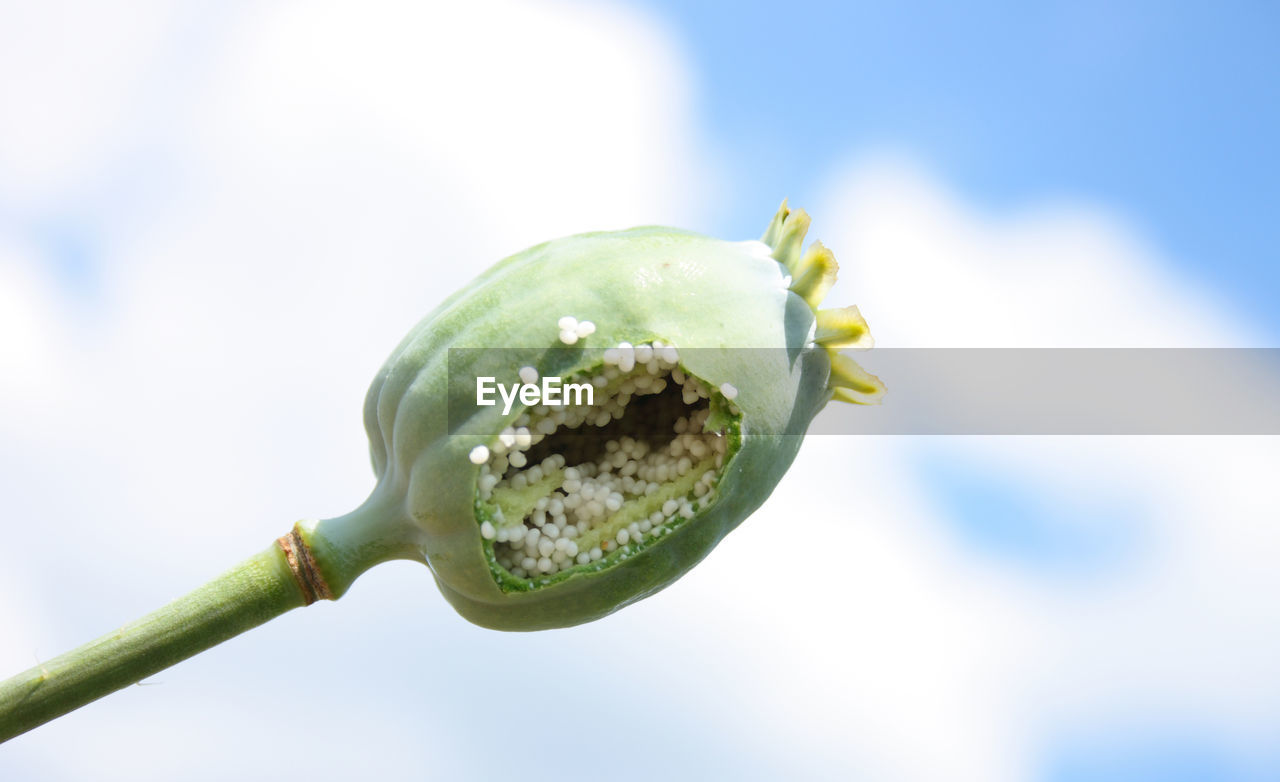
(697, 366)
(707, 359)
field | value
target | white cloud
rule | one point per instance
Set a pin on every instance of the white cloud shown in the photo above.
(329, 174)
(321, 177)
(934, 271)
(919, 655)
(318, 177)
(33, 325)
(73, 73)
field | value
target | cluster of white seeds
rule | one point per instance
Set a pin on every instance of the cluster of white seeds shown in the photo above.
(571, 330)
(575, 505)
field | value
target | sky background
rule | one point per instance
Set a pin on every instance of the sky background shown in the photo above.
(216, 219)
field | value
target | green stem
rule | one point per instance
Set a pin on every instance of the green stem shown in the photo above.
(317, 560)
(260, 588)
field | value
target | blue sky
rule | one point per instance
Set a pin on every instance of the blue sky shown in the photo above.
(1166, 113)
(216, 220)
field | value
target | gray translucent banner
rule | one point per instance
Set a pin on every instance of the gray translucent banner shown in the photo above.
(970, 391)
(1066, 391)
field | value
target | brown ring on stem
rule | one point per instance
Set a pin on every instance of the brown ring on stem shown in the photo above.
(302, 564)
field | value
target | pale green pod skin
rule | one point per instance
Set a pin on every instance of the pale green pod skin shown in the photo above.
(637, 285)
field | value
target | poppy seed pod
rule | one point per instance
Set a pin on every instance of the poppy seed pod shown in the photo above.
(705, 359)
(568, 434)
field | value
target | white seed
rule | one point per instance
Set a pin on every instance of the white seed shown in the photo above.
(568, 337)
(567, 323)
(479, 455)
(518, 460)
(729, 391)
(626, 357)
(528, 375)
(487, 531)
(585, 329)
